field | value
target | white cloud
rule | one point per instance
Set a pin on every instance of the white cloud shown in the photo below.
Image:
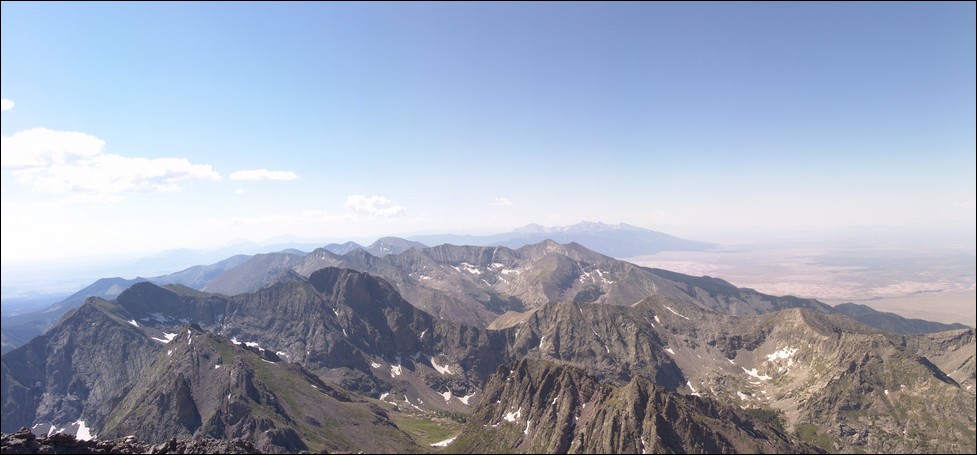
(502, 202)
(239, 191)
(6, 105)
(263, 174)
(373, 206)
(75, 164)
(41, 147)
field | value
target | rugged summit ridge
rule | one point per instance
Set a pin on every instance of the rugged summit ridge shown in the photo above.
(204, 385)
(474, 285)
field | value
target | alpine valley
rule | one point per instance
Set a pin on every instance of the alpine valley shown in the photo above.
(546, 348)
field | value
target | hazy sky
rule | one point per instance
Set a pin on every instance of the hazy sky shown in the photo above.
(140, 127)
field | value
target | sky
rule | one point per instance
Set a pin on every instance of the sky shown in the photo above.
(138, 127)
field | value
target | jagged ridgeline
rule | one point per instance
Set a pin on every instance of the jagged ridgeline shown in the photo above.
(472, 285)
(336, 359)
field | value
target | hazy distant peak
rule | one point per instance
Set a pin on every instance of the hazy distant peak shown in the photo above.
(583, 226)
(392, 245)
(532, 228)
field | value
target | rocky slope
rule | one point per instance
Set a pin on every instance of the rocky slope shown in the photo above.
(474, 285)
(546, 407)
(79, 370)
(205, 385)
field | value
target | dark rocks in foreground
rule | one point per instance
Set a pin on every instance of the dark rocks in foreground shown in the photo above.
(24, 441)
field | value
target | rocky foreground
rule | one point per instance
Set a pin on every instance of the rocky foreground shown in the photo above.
(24, 441)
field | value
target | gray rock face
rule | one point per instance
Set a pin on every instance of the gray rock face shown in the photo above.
(65, 375)
(204, 385)
(545, 407)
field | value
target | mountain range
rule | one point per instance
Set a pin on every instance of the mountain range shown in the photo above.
(584, 354)
(468, 284)
(615, 240)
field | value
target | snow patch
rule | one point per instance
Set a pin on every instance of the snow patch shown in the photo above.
(695, 392)
(470, 268)
(731, 361)
(167, 337)
(754, 373)
(526, 431)
(345, 334)
(254, 344)
(676, 312)
(886, 391)
(169, 353)
(235, 341)
(375, 365)
(217, 367)
(657, 320)
(465, 399)
(783, 353)
(446, 395)
(441, 369)
(134, 323)
(281, 354)
(513, 416)
(384, 395)
(742, 396)
(605, 280)
(444, 443)
(395, 371)
(84, 433)
(541, 341)
(670, 351)
(268, 361)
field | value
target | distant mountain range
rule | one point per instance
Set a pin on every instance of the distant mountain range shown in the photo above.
(615, 240)
(469, 284)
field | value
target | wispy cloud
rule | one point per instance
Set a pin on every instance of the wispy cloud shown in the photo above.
(75, 164)
(376, 206)
(263, 174)
(502, 202)
(6, 105)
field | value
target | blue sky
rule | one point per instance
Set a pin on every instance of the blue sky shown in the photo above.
(126, 126)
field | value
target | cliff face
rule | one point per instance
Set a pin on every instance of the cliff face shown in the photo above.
(204, 385)
(544, 407)
(63, 376)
